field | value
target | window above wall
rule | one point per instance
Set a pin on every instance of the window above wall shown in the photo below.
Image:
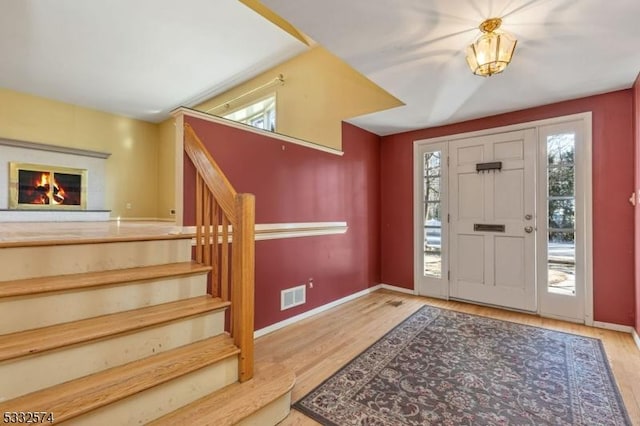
(260, 114)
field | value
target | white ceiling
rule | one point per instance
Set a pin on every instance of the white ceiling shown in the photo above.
(415, 50)
(142, 58)
(138, 58)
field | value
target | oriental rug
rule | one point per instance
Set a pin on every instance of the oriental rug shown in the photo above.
(441, 367)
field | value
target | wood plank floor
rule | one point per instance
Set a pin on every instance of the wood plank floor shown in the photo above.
(317, 347)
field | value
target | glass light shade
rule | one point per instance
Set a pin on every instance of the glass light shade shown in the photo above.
(490, 53)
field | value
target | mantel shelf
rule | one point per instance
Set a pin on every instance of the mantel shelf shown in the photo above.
(54, 148)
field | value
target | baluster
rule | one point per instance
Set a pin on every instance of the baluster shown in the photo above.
(199, 189)
(206, 205)
(215, 274)
(224, 262)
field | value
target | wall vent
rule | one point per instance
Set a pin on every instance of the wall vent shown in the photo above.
(293, 297)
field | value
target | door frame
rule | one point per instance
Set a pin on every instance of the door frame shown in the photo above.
(586, 229)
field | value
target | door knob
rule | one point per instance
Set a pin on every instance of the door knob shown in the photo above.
(528, 229)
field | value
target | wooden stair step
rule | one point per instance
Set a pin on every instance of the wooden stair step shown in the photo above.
(76, 397)
(68, 240)
(28, 342)
(235, 402)
(38, 285)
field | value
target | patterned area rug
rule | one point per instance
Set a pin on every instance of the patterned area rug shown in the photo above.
(441, 367)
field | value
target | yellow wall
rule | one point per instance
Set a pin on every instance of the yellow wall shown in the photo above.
(320, 91)
(131, 170)
(166, 169)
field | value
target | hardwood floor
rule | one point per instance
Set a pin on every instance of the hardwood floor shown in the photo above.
(317, 347)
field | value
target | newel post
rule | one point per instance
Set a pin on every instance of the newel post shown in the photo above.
(242, 292)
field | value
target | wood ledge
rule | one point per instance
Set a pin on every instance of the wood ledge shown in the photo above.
(235, 402)
(93, 240)
(28, 286)
(77, 397)
(38, 340)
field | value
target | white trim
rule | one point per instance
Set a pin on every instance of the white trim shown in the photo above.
(586, 117)
(277, 326)
(614, 327)
(276, 231)
(423, 285)
(54, 148)
(575, 306)
(397, 289)
(182, 111)
(506, 129)
(636, 338)
(588, 217)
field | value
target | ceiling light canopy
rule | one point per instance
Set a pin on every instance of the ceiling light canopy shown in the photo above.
(492, 51)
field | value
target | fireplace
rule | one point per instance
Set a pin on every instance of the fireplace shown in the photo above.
(41, 187)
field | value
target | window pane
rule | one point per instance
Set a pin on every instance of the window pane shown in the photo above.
(562, 213)
(260, 114)
(562, 263)
(432, 252)
(432, 220)
(432, 214)
(561, 148)
(561, 181)
(432, 161)
(432, 186)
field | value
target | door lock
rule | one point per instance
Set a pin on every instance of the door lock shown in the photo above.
(528, 229)
(528, 216)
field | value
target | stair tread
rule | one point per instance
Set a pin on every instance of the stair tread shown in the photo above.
(235, 402)
(37, 285)
(28, 342)
(81, 240)
(76, 397)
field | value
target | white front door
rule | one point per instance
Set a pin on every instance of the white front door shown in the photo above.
(493, 218)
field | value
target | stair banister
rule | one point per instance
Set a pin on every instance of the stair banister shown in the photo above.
(223, 214)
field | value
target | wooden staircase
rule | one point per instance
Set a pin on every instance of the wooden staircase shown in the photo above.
(129, 331)
(124, 345)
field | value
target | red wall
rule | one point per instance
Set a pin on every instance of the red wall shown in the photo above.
(613, 178)
(636, 126)
(297, 184)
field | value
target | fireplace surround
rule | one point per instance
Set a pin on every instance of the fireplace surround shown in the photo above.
(38, 187)
(62, 167)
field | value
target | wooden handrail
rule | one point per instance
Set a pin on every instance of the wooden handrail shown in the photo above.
(220, 210)
(211, 173)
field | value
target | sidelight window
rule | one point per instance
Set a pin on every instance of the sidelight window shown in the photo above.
(433, 214)
(561, 203)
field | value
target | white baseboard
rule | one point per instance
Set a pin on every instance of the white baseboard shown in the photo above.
(398, 289)
(277, 326)
(614, 327)
(636, 337)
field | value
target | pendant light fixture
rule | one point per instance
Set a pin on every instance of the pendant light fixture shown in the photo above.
(492, 51)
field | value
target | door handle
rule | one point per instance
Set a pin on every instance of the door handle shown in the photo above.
(528, 229)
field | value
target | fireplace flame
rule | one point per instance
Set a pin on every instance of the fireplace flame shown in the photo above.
(44, 185)
(43, 182)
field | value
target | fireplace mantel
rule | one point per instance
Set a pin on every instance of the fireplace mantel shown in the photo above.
(54, 148)
(94, 162)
